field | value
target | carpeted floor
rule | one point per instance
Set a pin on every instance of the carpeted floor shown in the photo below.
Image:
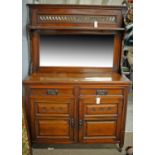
(84, 150)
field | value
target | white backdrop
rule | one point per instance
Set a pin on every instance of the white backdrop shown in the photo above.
(99, 2)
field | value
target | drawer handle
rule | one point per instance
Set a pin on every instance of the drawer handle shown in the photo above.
(52, 92)
(100, 92)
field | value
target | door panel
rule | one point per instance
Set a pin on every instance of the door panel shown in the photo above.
(54, 107)
(54, 129)
(100, 128)
(100, 110)
(52, 119)
(100, 122)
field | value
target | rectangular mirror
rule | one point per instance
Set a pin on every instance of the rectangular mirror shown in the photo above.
(76, 51)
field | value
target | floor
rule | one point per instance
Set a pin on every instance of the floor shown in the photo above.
(93, 149)
(129, 120)
(85, 150)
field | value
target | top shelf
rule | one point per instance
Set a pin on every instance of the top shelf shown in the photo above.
(84, 17)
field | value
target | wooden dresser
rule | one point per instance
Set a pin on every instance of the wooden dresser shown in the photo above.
(76, 104)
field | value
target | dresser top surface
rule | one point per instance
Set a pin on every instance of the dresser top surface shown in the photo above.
(43, 78)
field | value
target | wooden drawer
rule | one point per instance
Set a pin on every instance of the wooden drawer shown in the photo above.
(101, 91)
(52, 92)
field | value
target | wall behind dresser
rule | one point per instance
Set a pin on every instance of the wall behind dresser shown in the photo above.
(25, 53)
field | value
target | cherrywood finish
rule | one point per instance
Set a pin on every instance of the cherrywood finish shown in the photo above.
(52, 119)
(61, 102)
(100, 123)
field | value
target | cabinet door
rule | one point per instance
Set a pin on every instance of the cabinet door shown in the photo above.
(100, 122)
(52, 120)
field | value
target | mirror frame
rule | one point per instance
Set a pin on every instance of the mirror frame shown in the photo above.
(35, 53)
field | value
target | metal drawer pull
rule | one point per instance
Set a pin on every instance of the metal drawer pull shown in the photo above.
(101, 92)
(52, 92)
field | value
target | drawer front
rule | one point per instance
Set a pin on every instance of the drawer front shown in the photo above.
(100, 91)
(52, 92)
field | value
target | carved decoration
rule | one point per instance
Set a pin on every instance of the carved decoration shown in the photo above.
(100, 109)
(52, 109)
(107, 19)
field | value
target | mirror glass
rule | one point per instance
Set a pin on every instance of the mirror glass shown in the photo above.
(80, 51)
(80, 2)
